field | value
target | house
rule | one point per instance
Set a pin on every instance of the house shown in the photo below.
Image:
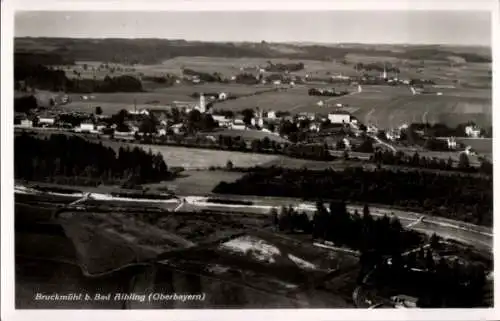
(101, 126)
(86, 127)
(257, 121)
(222, 96)
(26, 123)
(177, 128)
(271, 114)
(223, 121)
(452, 143)
(144, 112)
(314, 127)
(238, 124)
(404, 301)
(393, 135)
(339, 118)
(46, 120)
(305, 115)
(472, 131)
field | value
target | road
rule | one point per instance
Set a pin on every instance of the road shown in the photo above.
(379, 141)
(477, 236)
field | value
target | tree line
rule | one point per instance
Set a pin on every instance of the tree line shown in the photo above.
(281, 67)
(362, 232)
(152, 51)
(45, 78)
(464, 198)
(326, 92)
(393, 255)
(74, 160)
(400, 159)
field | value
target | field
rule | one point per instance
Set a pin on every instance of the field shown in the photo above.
(480, 145)
(193, 182)
(236, 259)
(248, 134)
(191, 158)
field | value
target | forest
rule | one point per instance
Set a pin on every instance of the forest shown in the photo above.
(384, 236)
(47, 78)
(73, 160)
(459, 197)
(152, 51)
(393, 255)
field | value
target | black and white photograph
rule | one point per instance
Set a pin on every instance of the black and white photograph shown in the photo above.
(251, 159)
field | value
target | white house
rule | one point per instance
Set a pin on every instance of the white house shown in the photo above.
(86, 127)
(222, 96)
(46, 120)
(238, 124)
(452, 143)
(223, 121)
(271, 114)
(347, 143)
(139, 112)
(339, 118)
(177, 128)
(26, 123)
(472, 131)
(314, 127)
(257, 121)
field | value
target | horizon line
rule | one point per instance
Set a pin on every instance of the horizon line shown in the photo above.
(305, 42)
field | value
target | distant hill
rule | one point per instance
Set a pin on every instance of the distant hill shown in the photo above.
(151, 51)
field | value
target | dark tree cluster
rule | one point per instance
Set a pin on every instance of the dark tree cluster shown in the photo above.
(73, 160)
(326, 92)
(167, 80)
(421, 82)
(440, 130)
(380, 236)
(280, 67)
(25, 104)
(247, 79)
(458, 197)
(42, 77)
(203, 76)
(376, 67)
(399, 158)
(124, 83)
(436, 282)
(132, 51)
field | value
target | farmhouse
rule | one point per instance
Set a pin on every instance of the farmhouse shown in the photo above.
(306, 115)
(26, 123)
(139, 112)
(223, 121)
(184, 105)
(452, 143)
(271, 114)
(339, 117)
(86, 127)
(177, 128)
(47, 120)
(472, 131)
(238, 124)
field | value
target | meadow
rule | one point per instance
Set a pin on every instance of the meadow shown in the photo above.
(248, 134)
(192, 158)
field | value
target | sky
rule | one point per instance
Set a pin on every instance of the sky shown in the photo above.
(408, 27)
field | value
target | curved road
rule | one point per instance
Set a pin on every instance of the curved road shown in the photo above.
(477, 236)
